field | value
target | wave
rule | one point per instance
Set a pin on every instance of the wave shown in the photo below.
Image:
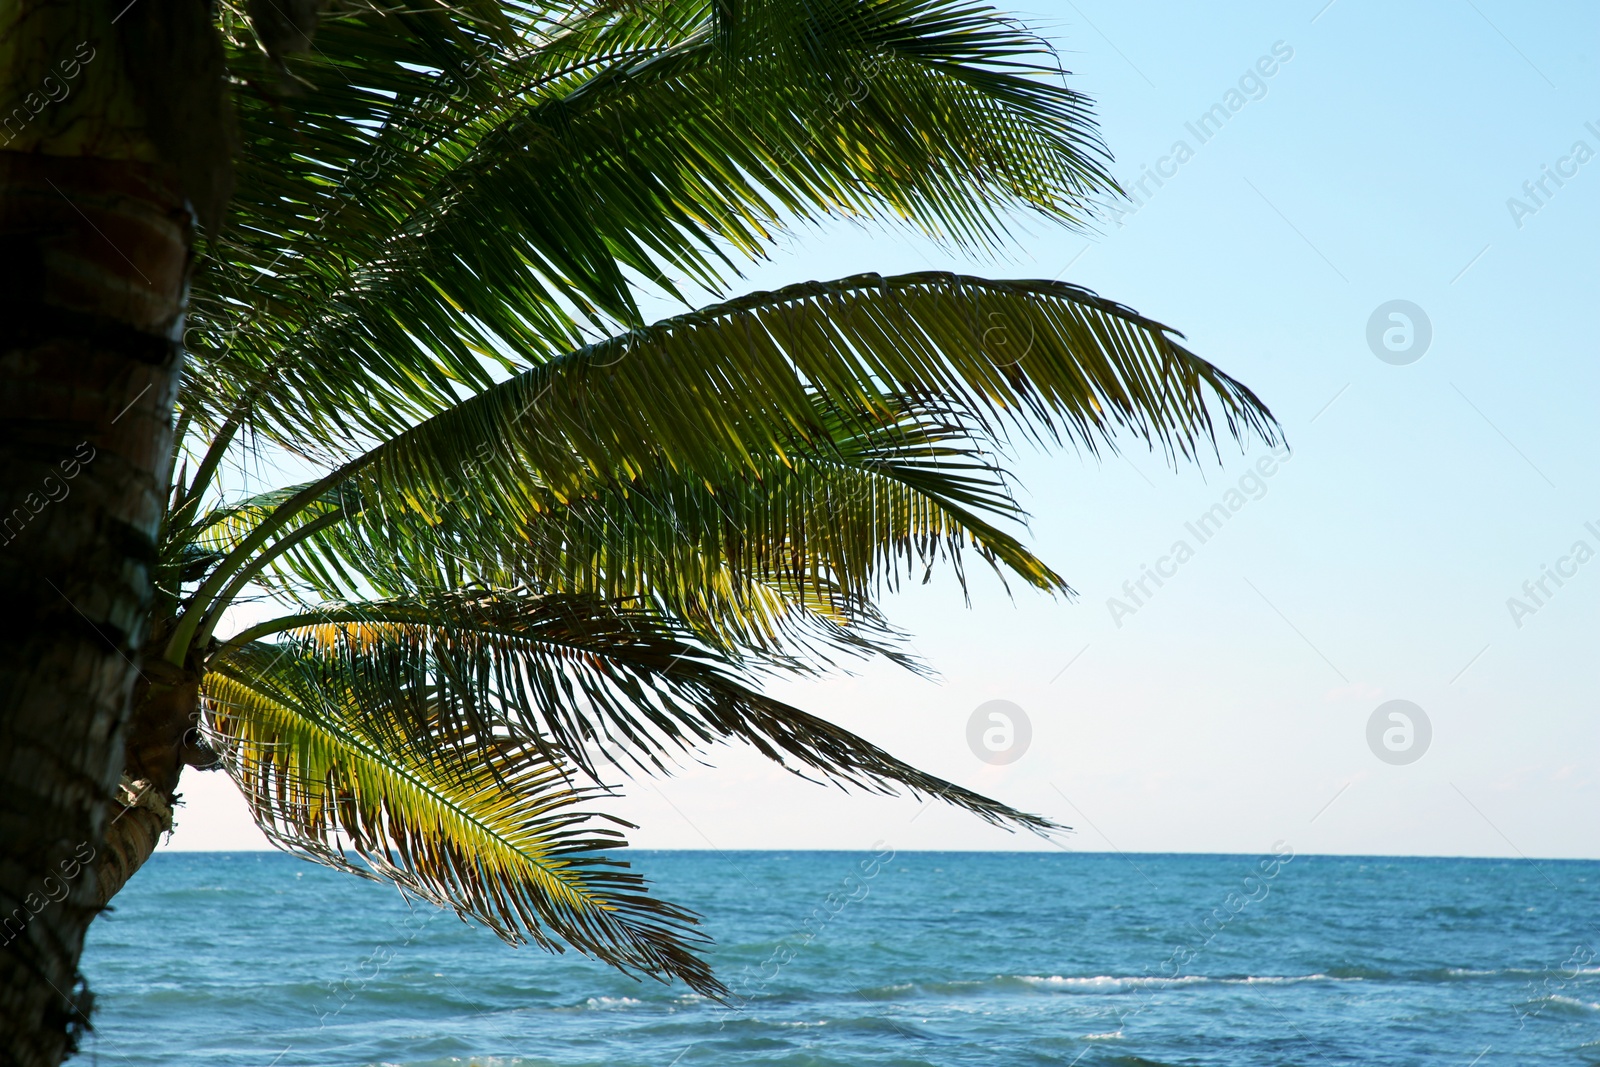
(1560, 1004)
(611, 1003)
(1105, 984)
(1085, 984)
(1459, 974)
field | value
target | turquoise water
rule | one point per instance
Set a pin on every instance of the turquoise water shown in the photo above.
(847, 958)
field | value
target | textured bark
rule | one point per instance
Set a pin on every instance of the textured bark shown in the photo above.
(93, 261)
(140, 815)
(163, 739)
(115, 131)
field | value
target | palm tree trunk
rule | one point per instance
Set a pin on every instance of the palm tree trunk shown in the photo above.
(97, 254)
(88, 374)
(94, 251)
(139, 816)
(163, 739)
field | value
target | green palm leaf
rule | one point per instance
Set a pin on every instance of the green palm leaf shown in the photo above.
(644, 141)
(782, 375)
(483, 824)
(743, 378)
(808, 540)
(573, 674)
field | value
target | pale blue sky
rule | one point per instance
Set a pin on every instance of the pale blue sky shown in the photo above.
(1232, 707)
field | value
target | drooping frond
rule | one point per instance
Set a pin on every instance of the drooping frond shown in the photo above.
(742, 381)
(823, 531)
(741, 395)
(589, 675)
(484, 824)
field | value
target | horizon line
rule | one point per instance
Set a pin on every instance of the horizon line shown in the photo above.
(1123, 853)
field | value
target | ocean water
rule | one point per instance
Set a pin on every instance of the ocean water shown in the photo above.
(878, 959)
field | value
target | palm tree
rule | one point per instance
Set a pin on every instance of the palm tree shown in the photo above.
(540, 541)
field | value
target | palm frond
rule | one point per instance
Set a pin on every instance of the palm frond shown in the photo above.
(781, 375)
(821, 532)
(744, 380)
(480, 823)
(579, 674)
(497, 217)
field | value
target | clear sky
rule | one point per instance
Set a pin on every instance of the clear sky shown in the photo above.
(1383, 159)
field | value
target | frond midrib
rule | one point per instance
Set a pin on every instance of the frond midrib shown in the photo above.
(406, 776)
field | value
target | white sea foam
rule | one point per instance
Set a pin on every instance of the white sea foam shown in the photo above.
(1569, 1002)
(608, 1003)
(1105, 983)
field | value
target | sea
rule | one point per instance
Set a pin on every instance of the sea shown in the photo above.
(876, 958)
